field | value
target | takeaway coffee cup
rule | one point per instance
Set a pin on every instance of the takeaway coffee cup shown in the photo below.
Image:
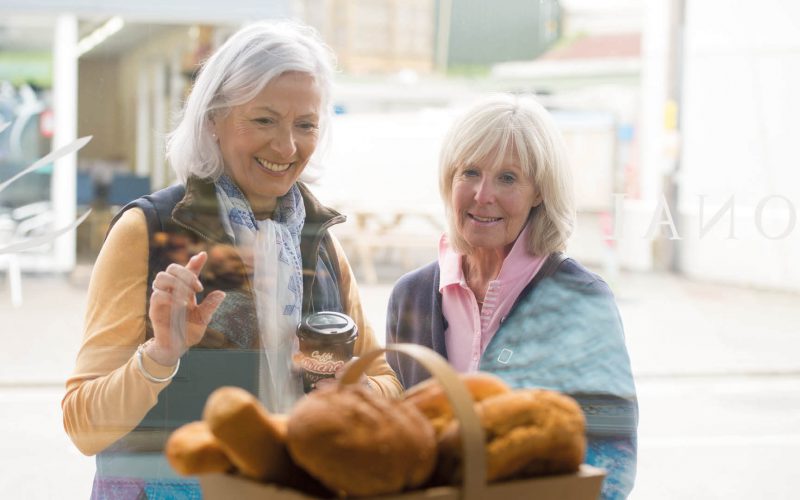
(326, 343)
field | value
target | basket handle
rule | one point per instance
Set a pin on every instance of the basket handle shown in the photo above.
(472, 437)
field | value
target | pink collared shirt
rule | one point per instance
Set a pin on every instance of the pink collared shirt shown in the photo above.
(470, 328)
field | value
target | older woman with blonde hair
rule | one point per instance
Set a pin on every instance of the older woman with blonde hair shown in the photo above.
(502, 296)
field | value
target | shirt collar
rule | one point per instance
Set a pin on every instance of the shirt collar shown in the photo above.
(517, 257)
(451, 272)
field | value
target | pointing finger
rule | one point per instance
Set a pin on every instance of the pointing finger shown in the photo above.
(197, 262)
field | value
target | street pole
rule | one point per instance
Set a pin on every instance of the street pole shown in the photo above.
(443, 34)
(672, 125)
(65, 131)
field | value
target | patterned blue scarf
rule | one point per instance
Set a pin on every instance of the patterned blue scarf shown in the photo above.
(277, 284)
(241, 224)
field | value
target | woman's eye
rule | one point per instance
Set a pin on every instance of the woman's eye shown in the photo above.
(507, 179)
(308, 126)
(264, 121)
(470, 172)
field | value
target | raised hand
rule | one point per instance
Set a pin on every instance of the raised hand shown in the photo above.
(174, 297)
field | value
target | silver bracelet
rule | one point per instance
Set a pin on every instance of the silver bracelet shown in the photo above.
(147, 375)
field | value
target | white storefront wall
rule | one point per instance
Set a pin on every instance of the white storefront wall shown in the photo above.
(740, 129)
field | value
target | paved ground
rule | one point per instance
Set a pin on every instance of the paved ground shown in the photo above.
(717, 368)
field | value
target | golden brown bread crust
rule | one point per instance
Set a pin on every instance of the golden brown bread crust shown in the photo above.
(281, 422)
(191, 450)
(429, 396)
(528, 432)
(254, 440)
(360, 444)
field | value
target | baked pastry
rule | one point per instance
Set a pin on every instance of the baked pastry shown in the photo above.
(528, 432)
(254, 440)
(429, 396)
(360, 444)
(191, 449)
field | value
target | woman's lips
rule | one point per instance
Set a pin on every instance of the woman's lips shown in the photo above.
(483, 219)
(273, 168)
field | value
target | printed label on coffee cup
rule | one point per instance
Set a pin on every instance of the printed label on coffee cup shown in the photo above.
(322, 363)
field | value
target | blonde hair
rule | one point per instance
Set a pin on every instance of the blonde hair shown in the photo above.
(503, 124)
(234, 75)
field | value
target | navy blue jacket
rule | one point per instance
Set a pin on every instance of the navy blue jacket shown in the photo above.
(183, 220)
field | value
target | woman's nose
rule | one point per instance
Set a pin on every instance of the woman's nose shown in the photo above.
(484, 192)
(284, 145)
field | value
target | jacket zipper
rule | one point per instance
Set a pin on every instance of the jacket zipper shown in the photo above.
(185, 226)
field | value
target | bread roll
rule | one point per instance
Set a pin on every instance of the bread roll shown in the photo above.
(254, 440)
(360, 444)
(192, 449)
(528, 432)
(429, 396)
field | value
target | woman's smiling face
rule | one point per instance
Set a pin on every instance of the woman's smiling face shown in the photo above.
(491, 202)
(267, 142)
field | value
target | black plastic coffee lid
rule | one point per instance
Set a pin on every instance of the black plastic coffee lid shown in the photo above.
(327, 325)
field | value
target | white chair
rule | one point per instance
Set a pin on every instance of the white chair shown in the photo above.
(22, 223)
(10, 261)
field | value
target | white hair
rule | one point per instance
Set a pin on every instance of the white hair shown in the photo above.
(234, 75)
(503, 124)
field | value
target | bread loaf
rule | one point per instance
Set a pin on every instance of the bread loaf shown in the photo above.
(528, 432)
(254, 440)
(360, 444)
(192, 449)
(429, 396)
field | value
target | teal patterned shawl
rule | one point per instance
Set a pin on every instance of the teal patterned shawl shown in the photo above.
(567, 335)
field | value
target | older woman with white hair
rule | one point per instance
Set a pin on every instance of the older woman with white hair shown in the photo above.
(502, 297)
(204, 283)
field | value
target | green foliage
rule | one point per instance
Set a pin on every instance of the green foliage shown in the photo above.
(27, 67)
(469, 70)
